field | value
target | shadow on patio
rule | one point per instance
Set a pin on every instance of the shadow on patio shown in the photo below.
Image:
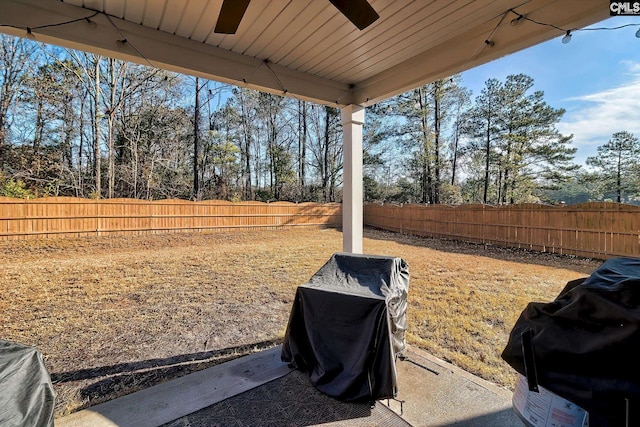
(260, 390)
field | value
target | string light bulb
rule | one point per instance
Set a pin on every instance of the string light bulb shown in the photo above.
(567, 38)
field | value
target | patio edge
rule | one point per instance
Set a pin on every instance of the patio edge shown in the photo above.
(173, 399)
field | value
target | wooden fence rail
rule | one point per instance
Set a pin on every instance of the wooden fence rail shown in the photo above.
(595, 230)
(68, 216)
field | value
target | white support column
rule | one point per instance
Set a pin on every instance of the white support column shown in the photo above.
(352, 197)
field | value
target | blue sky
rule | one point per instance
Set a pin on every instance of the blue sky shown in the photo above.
(595, 78)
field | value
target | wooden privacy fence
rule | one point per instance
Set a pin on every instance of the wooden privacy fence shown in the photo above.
(68, 216)
(596, 230)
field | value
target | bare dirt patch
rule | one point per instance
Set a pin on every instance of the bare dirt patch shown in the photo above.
(112, 315)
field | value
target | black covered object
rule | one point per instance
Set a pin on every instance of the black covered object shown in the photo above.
(26, 392)
(347, 326)
(584, 345)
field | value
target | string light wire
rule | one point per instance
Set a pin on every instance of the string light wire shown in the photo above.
(608, 28)
(526, 18)
(487, 43)
(57, 24)
(123, 41)
(566, 31)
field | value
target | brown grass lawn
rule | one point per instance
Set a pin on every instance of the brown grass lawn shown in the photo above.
(115, 314)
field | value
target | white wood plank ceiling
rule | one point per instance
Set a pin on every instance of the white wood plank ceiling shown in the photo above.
(305, 48)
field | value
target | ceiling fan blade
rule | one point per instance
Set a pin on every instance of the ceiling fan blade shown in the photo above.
(359, 12)
(231, 14)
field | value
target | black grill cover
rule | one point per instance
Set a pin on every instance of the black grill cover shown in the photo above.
(26, 392)
(584, 345)
(347, 325)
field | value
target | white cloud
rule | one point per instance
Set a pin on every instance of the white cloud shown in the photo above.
(598, 116)
(633, 67)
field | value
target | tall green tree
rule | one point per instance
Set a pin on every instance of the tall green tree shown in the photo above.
(279, 159)
(533, 152)
(617, 167)
(16, 56)
(425, 118)
(243, 104)
(379, 155)
(461, 101)
(154, 141)
(580, 188)
(514, 129)
(49, 98)
(482, 127)
(325, 146)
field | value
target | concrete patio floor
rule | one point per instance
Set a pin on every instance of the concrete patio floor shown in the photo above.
(435, 393)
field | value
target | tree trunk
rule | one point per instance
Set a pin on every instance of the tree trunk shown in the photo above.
(68, 133)
(39, 130)
(302, 146)
(273, 156)
(246, 152)
(325, 157)
(487, 161)
(436, 145)
(135, 166)
(96, 106)
(508, 180)
(426, 181)
(80, 191)
(619, 177)
(454, 160)
(272, 149)
(196, 136)
(110, 138)
(499, 182)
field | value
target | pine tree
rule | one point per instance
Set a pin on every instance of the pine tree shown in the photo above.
(482, 127)
(515, 132)
(617, 165)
